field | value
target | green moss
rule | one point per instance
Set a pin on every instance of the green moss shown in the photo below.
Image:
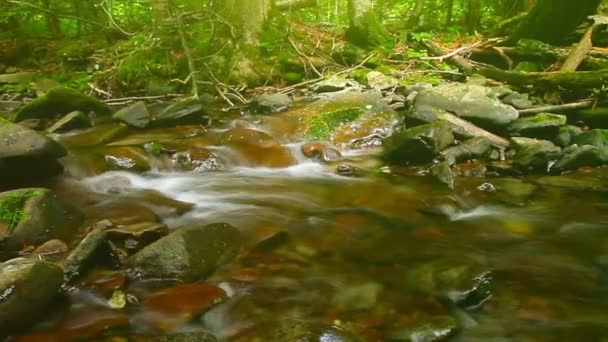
(11, 207)
(61, 101)
(293, 77)
(320, 127)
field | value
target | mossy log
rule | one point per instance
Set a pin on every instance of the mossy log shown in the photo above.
(573, 80)
(594, 60)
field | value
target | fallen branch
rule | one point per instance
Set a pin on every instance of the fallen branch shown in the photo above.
(558, 108)
(574, 80)
(473, 130)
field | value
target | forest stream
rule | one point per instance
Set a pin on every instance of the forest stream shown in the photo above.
(327, 255)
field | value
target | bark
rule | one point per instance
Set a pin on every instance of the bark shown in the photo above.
(247, 17)
(580, 51)
(553, 21)
(416, 14)
(570, 80)
(473, 15)
(365, 29)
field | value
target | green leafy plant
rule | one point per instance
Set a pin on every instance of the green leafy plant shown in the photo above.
(11, 207)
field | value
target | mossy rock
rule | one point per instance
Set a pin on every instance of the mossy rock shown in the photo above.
(321, 127)
(417, 145)
(29, 217)
(59, 101)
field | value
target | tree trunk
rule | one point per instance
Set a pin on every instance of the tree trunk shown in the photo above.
(553, 21)
(247, 16)
(473, 16)
(414, 19)
(365, 29)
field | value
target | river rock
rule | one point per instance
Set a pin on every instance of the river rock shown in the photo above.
(517, 100)
(575, 156)
(270, 103)
(437, 328)
(59, 101)
(27, 288)
(136, 115)
(98, 135)
(186, 112)
(84, 254)
(127, 158)
(443, 173)
(71, 121)
(380, 81)
(471, 149)
(187, 254)
(566, 134)
(417, 145)
(594, 137)
(465, 284)
(533, 154)
(34, 216)
(333, 84)
(26, 154)
(257, 148)
(543, 126)
(321, 152)
(296, 330)
(471, 102)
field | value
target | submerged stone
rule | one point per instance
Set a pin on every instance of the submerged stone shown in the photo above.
(71, 121)
(357, 296)
(187, 254)
(296, 330)
(417, 145)
(34, 216)
(127, 158)
(27, 288)
(437, 328)
(464, 284)
(59, 101)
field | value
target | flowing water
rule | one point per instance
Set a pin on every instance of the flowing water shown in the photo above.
(380, 255)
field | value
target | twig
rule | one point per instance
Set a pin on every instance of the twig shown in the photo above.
(62, 15)
(140, 98)
(305, 57)
(114, 23)
(188, 53)
(458, 51)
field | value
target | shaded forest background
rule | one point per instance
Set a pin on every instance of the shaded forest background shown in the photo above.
(124, 48)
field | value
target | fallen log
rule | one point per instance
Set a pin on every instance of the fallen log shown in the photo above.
(594, 60)
(294, 4)
(558, 108)
(573, 80)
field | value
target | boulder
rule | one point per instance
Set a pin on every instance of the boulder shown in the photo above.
(594, 137)
(417, 145)
(380, 81)
(27, 288)
(533, 154)
(566, 134)
(575, 156)
(30, 217)
(59, 101)
(471, 149)
(186, 112)
(136, 115)
(270, 103)
(471, 102)
(187, 254)
(71, 121)
(543, 126)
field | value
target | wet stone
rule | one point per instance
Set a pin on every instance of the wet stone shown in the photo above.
(34, 216)
(136, 115)
(534, 155)
(71, 121)
(127, 158)
(27, 288)
(437, 328)
(417, 145)
(59, 101)
(442, 172)
(466, 285)
(354, 297)
(566, 134)
(575, 156)
(543, 126)
(471, 149)
(85, 253)
(52, 250)
(321, 152)
(594, 137)
(296, 330)
(270, 103)
(187, 254)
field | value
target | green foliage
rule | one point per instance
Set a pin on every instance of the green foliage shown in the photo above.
(11, 207)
